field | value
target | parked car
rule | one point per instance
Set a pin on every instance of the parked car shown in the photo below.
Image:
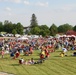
(8, 35)
(1, 35)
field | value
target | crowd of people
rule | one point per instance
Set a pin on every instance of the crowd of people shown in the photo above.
(15, 47)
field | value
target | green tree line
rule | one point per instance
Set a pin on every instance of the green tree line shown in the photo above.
(44, 30)
(9, 27)
(35, 28)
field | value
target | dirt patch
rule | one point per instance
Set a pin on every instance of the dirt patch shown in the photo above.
(2, 73)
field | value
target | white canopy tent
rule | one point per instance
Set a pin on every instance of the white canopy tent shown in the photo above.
(22, 38)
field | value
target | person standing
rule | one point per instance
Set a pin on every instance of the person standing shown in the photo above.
(2, 53)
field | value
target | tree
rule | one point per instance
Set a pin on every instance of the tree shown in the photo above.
(44, 30)
(64, 28)
(43, 33)
(33, 21)
(14, 32)
(74, 28)
(19, 28)
(11, 28)
(1, 27)
(6, 22)
(35, 30)
(8, 26)
(53, 30)
(61, 29)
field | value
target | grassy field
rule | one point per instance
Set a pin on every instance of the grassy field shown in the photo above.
(55, 65)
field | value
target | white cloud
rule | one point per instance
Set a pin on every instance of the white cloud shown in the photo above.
(26, 2)
(16, 1)
(8, 8)
(42, 4)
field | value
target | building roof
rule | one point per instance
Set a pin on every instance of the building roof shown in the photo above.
(27, 27)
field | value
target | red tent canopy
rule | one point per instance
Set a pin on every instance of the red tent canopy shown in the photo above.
(71, 32)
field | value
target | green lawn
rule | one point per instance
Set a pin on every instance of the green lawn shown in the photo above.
(55, 65)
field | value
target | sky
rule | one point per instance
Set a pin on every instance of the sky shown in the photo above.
(47, 12)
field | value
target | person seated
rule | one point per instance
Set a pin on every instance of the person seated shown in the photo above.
(17, 54)
(64, 50)
(32, 61)
(62, 54)
(21, 61)
(74, 53)
(39, 61)
(12, 54)
(26, 53)
(42, 56)
(29, 62)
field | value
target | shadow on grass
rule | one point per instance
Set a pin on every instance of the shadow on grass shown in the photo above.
(57, 51)
(33, 58)
(4, 58)
(36, 58)
(56, 56)
(71, 56)
(68, 56)
(15, 64)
